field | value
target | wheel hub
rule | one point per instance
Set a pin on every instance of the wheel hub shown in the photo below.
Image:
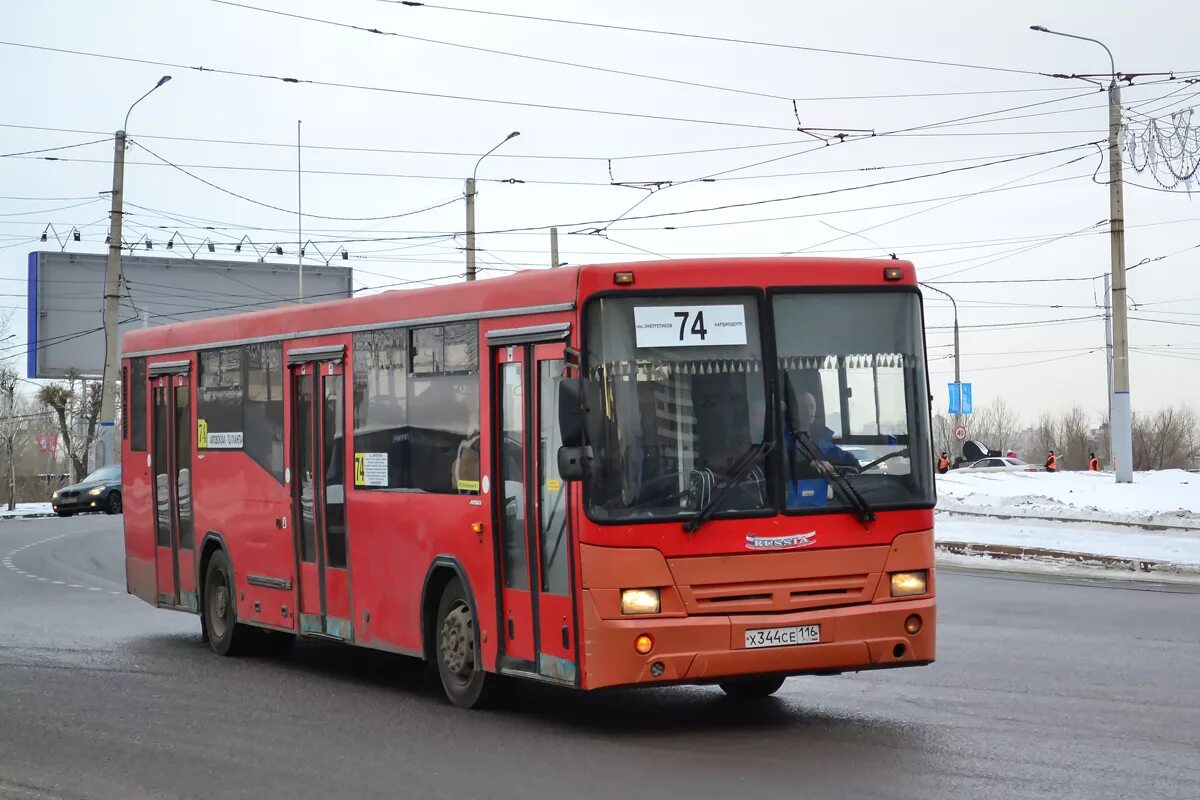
(458, 643)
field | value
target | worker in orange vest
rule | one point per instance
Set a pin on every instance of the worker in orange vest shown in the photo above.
(1052, 462)
(943, 463)
(1093, 463)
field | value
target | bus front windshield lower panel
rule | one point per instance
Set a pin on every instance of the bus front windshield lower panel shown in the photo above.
(677, 404)
(854, 398)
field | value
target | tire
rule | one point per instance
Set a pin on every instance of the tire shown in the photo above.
(457, 652)
(753, 689)
(226, 636)
(65, 514)
(113, 506)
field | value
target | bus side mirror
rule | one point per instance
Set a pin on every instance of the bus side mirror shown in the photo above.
(571, 411)
(574, 462)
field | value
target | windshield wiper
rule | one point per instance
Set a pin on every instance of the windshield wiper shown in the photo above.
(737, 474)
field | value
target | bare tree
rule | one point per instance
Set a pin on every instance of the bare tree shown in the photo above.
(1074, 435)
(995, 424)
(1166, 439)
(14, 426)
(1044, 436)
(73, 402)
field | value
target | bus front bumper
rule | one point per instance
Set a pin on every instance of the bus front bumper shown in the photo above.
(707, 649)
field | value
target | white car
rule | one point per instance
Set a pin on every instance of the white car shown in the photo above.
(1002, 464)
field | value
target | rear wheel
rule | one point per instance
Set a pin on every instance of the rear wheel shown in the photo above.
(458, 655)
(752, 689)
(226, 636)
(114, 503)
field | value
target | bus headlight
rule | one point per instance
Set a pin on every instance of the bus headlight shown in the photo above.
(905, 584)
(639, 601)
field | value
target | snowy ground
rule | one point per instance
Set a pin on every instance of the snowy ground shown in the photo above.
(26, 509)
(1077, 512)
(1169, 498)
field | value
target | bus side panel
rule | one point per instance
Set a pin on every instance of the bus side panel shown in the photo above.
(394, 537)
(138, 519)
(241, 501)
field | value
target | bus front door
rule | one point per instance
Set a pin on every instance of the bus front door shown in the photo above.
(319, 498)
(530, 514)
(171, 462)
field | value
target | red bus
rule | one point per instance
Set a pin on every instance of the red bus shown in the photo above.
(684, 472)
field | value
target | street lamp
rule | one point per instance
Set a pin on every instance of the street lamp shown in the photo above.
(957, 374)
(112, 278)
(471, 205)
(1120, 428)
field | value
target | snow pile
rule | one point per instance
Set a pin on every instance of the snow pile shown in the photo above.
(1170, 498)
(1111, 542)
(26, 510)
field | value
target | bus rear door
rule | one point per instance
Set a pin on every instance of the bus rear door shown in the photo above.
(171, 462)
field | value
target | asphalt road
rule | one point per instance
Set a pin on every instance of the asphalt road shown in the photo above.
(1042, 690)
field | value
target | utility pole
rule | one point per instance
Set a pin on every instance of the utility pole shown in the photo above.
(1121, 417)
(471, 206)
(1108, 354)
(554, 248)
(106, 436)
(470, 229)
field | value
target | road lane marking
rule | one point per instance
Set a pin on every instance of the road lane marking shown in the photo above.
(7, 562)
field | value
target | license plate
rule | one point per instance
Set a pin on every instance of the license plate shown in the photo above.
(783, 637)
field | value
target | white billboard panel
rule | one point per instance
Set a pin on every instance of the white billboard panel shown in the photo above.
(66, 299)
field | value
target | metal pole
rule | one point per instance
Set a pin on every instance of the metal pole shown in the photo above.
(957, 371)
(1122, 417)
(470, 229)
(112, 285)
(299, 217)
(554, 247)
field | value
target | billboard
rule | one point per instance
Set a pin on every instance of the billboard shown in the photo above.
(66, 299)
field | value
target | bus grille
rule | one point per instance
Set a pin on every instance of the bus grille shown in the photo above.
(778, 583)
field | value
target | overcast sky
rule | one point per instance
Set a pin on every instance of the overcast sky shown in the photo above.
(989, 222)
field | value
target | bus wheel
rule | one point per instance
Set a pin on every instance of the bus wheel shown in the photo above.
(225, 636)
(458, 658)
(752, 689)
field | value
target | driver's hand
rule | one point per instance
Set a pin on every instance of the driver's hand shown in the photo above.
(822, 467)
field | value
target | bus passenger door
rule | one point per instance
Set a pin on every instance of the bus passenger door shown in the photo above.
(512, 503)
(556, 643)
(318, 497)
(171, 462)
(530, 512)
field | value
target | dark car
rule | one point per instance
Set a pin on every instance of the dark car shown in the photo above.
(100, 491)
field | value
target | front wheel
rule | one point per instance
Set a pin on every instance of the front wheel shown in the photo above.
(226, 636)
(459, 660)
(114, 503)
(753, 689)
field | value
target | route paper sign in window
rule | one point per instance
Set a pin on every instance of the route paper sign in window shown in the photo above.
(690, 326)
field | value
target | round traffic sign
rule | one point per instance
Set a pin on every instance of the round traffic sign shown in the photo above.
(960, 433)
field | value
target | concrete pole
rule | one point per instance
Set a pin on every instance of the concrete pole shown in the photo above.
(112, 286)
(1122, 416)
(1108, 353)
(554, 247)
(470, 229)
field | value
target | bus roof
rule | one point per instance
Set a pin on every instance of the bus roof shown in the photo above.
(527, 292)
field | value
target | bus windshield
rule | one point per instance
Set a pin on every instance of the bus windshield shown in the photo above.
(681, 399)
(854, 394)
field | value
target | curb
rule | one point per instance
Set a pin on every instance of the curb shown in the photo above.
(1070, 557)
(1146, 526)
(32, 515)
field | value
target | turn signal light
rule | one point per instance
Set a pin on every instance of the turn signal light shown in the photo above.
(643, 644)
(912, 625)
(892, 273)
(477, 527)
(906, 584)
(623, 278)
